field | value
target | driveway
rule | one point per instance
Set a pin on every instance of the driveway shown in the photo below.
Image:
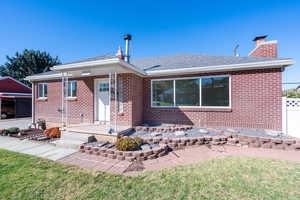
(21, 123)
(40, 149)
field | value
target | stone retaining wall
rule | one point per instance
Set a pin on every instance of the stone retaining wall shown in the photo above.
(230, 139)
(162, 129)
(126, 155)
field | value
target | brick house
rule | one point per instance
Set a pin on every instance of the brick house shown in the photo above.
(202, 90)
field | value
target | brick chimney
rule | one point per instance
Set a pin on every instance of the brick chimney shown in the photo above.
(264, 48)
(120, 53)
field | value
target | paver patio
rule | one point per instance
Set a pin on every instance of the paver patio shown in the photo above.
(176, 158)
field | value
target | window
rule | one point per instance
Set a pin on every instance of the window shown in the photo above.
(120, 95)
(43, 90)
(163, 93)
(215, 91)
(201, 92)
(187, 92)
(72, 89)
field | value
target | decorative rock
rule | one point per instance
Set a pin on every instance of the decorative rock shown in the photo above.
(203, 131)
(180, 133)
(145, 147)
(153, 156)
(207, 138)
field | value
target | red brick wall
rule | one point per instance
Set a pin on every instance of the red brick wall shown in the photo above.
(132, 101)
(84, 103)
(255, 99)
(266, 50)
(255, 103)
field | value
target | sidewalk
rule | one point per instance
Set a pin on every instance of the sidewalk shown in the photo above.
(34, 148)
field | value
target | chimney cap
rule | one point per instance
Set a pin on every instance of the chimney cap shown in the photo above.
(260, 37)
(127, 37)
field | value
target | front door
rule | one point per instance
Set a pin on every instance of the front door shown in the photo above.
(102, 100)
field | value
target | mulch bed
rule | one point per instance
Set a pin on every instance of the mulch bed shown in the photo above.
(33, 134)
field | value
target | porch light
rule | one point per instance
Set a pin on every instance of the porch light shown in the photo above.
(85, 73)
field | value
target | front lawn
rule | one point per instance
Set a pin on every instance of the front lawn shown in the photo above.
(28, 177)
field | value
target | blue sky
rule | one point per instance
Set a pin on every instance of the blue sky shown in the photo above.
(75, 29)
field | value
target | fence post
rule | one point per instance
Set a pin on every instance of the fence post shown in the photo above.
(284, 116)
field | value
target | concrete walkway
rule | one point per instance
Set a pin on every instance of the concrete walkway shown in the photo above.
(176, 158)
(21, 123)
(34, 148)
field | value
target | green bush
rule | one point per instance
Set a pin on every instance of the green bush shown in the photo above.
(128, 143)
(4, 132)
(13, 130)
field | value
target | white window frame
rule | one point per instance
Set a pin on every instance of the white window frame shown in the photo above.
(43, 91)
(200, 93)
(70, 88)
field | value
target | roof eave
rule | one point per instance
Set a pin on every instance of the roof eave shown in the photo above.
(223, 68)
(67, 67)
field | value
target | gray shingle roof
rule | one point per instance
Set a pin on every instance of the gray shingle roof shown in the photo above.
(177, 61)
(102, 57)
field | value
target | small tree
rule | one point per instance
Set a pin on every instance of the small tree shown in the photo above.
(27, 63)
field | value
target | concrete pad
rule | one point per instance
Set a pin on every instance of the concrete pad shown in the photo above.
(39, 149)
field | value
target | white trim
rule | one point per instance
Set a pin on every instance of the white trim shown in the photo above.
(263, 43)
(43, 77)
(73, 66)
(71, 87)
(214, 68)
(96, 105)
(200, 94)
(15, 93)
(43, 90)
(223, 68)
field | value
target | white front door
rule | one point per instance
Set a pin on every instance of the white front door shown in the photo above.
(102, 100)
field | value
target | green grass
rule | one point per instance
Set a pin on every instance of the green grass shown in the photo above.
(28, 177)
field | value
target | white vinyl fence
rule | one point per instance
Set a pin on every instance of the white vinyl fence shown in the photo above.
(291, 116)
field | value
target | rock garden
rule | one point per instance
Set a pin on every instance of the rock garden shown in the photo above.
(38, 134)
(153, 141)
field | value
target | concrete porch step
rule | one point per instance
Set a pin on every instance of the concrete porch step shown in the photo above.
(69, 144)
(82, 137)
(72, 140)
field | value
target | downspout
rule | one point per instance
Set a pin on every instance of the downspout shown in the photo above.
(109, 96)
(116, 99)
(32, 103)
(66, 98)
(62, 100)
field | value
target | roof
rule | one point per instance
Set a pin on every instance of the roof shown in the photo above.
(178, 61)
(101, 57)
(11, 85)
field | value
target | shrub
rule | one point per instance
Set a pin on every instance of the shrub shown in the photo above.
(3, 132)
(52, 132)
(13, 130)
(128, 143)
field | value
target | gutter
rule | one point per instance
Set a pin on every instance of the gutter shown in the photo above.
(222, 68)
